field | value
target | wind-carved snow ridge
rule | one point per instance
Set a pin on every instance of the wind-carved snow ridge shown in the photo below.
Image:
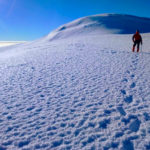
(101, 24)
(76, 93)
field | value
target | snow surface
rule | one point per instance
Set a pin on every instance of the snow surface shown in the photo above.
(76, 93)
(102, 24)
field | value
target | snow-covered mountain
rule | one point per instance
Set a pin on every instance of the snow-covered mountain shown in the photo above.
(102, 24)
(85, 92)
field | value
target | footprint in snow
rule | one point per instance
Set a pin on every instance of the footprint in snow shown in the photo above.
(146, 116)
(124, 80)
(132, 122)
(104, 123)
(123, 92)
(57, 143)
(127, 145)
(135, 125)
(121, 111)
(132, 76)
(128, 99)
(128, 71)
(132, 85)
(23, 143)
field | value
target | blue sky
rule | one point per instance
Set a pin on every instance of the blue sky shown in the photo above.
(32, 19)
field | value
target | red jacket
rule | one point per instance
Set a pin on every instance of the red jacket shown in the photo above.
(137, 37)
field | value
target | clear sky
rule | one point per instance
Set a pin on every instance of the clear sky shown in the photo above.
(32, 19)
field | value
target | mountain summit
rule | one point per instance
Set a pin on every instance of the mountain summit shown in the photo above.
(102, 24)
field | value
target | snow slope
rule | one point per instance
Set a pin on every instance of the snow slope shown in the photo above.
(102, 24)
(76, 93)
(8, 43)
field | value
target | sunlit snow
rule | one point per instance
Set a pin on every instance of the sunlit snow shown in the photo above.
(75, 91)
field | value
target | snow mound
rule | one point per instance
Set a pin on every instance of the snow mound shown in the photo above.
(101, 24)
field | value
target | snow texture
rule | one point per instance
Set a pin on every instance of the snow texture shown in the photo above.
(88, 93)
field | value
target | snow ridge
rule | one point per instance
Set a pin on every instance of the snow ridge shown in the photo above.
(101, 24)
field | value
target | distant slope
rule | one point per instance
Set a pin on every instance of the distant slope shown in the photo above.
(102, 24)
(9, 43)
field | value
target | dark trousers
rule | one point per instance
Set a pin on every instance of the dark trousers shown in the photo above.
(138, 45)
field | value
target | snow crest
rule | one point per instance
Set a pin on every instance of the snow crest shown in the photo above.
(101, 24)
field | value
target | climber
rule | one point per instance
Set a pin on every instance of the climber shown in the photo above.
(137, 39)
